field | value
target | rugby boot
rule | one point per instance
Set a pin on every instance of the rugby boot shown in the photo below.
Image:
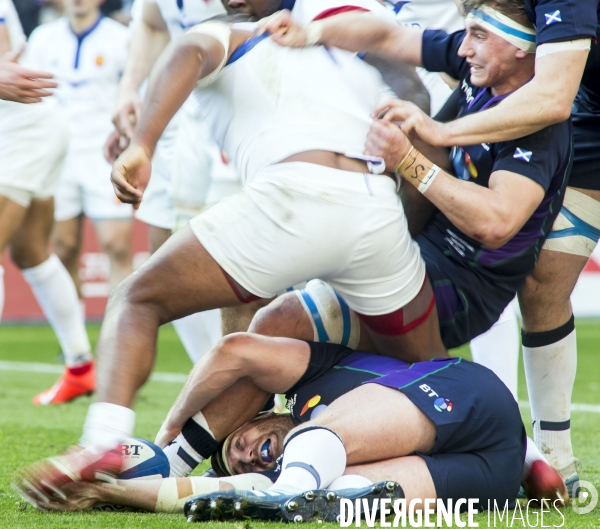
(41, 483)
(74, 383)
(315, 505)
(545, 483)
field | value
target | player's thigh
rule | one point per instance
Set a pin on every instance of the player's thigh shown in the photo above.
(545, 298)
(376, 422)
(179, 279)
(239, 319)
(114, 236)
(67, 237)
(11, 217)
(410, 472)
(30, 244)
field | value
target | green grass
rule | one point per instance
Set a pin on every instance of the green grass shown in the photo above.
(29, 433)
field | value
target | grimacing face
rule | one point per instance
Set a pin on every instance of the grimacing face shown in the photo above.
(256, 9)
(492, 59)
(257, 445)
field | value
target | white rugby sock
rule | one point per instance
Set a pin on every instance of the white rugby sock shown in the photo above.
(193, 445)
(550, 360)
(498, 349)
(55, 292)
(106, 425)
(312, 459)
(532, 454)
(199, 332)
(1, 291)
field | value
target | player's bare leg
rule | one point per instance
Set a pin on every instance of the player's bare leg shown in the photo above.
(238, 319)
(56, 294)
(549, 340)
(68, 237)
(410, 472)
(181, 278)
(114, 236)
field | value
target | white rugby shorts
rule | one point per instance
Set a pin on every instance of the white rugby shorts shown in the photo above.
(297, 221)
(85, 187)
(33, 144)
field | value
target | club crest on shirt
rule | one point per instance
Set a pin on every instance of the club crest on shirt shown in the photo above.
(553, 18)
(521, 154)
(99, 60)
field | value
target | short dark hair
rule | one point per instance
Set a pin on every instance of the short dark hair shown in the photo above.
(514, 9)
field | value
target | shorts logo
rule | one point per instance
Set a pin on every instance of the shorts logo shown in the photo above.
(520, 154)
(442, 404)
(553, 18)
(310, 404)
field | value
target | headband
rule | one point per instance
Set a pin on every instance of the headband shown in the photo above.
(517, 34)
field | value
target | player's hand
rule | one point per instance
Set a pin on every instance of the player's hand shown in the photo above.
(21, 84)
(113, 148)
(80, 496)
(166, 434)
(413, 121)
(131, 174)
(129, 107)
(387, 141)
(284, 31)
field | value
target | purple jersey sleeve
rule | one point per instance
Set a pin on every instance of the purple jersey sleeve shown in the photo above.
(560, 20)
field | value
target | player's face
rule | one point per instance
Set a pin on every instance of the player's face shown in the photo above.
(492, 59)
(257, 445)
(257, 9)
(81, 7)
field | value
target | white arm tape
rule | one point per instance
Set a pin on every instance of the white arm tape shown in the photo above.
(568, 45)
(221, 32)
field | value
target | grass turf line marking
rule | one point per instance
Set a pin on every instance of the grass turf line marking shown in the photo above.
(38, 367)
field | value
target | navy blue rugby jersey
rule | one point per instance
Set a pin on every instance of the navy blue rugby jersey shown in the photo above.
(561, 20)
(545, 157)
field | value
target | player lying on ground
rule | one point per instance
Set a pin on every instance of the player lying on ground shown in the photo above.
(306, 211)
(563, 38)
(446, 428)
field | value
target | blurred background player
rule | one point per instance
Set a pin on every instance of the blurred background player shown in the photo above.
(86, 52)
(154, 24)
(33, 143)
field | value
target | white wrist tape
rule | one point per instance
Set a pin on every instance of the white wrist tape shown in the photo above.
(429, 178)
(314, 32)
(569, 45)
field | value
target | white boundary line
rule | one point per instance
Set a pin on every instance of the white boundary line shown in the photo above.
(36, 367)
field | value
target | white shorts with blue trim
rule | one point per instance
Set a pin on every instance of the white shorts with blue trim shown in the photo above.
(576, 230)
(297, 221)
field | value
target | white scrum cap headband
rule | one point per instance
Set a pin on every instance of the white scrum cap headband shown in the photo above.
(517, 34)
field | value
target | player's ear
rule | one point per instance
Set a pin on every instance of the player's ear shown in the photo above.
(522, 54)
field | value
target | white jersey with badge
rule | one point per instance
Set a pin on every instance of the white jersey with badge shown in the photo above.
(88, 68)
(274, 102)
(180, 15)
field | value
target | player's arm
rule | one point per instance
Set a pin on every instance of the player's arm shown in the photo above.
(545, 100)
(358, 32)
(149, 39)
(194, 56)
(491, 215)
(272, 364)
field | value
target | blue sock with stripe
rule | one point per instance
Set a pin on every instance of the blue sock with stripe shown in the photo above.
(312, 458)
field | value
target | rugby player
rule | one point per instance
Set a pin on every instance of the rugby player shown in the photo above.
(33, 144)
(444, 429)
(566, 82)
(304, 209)
(84, 50)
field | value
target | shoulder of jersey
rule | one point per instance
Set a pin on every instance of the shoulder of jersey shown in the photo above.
(115, 27)
(48, 29)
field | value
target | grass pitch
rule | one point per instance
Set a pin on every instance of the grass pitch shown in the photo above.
(29, 433)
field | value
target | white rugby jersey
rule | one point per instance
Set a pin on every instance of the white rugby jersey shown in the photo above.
(8, 16)
(88, 68)
(273, 102)
(428, 14)
(180, 15)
